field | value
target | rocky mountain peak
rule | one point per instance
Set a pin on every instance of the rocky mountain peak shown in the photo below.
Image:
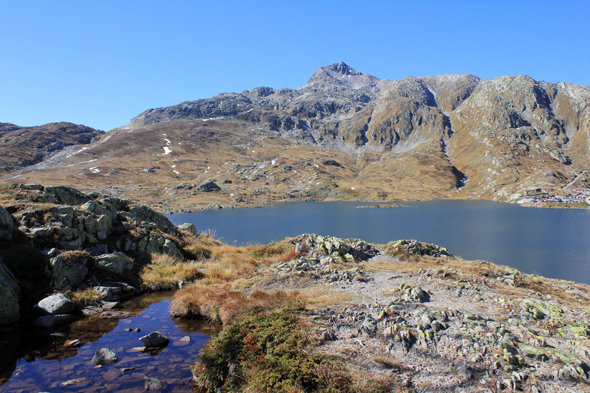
(342, 69)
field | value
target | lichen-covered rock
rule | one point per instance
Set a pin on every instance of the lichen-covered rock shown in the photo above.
(144, 213)
(190, 228)
(409, 293)
(67, 195)
(405, 249)
(67, 274)
(113, 291)
(104, 356)
(170, 248)
(103, 227)
(118, 262)
(6, 224)
(55, 304)
(351, 249)
(101, 208)
(9, 296)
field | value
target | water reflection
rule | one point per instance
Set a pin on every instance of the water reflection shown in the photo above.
(45, 360)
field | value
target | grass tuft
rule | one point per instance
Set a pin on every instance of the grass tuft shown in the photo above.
(165, 272)
(217, 302)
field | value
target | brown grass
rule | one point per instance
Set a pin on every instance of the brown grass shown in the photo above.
(84, 297)
(219, 303)
(320, 297)
(165, 272)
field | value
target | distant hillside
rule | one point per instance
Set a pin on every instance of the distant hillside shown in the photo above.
(25, 146)
(346, 135)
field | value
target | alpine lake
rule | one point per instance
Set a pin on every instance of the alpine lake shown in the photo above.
(549, 242)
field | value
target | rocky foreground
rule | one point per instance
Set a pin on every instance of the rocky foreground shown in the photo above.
(406, 316)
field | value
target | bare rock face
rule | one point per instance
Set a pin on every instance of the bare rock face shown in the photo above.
(6, 224)
(9, 296)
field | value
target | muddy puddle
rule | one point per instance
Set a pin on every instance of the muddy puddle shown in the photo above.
(51, 360)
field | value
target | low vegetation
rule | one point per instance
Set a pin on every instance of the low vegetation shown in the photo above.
(166, 272)
(266, 353)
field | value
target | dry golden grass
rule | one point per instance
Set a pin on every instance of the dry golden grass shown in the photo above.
(320, 297)
(165, 272)
(219, 303)
(84, 297)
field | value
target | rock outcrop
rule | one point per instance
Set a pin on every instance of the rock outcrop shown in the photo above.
(9, 296)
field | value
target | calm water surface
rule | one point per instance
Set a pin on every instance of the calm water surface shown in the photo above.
(42, 361)
(549, 242)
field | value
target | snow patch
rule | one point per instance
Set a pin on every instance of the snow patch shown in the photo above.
(167, 141)
(167, 150)
(107, 138)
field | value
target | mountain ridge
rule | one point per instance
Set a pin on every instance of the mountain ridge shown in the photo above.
(430, 137)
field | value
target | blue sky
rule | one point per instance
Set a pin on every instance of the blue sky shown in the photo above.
(100, 63)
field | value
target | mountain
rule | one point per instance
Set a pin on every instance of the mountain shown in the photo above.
(346, 135)
(26, 146)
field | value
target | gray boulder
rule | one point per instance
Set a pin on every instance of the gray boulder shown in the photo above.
(155, 339)
(67, 195)
(53, 320)
(113, 291)
(9, 295)
(118, 262)
(190, 228)
(55, 304)
(6, 224)
(208, 186)
(152, 384)
(67, 275)
(170, 248)
(144, 213)
(104, 356)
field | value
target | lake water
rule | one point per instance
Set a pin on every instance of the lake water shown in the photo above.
(550, 242)
(39, 360)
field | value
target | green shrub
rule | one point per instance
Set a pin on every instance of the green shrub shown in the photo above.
(266, 354)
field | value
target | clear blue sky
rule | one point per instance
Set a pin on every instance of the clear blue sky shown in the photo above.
(100, 63)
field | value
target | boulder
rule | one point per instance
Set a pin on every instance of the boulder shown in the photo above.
(103, 227)
(67, 195)
(155, 339)
(190, 228)
(6, 224)
(104, 356)
(332, 162)
(9, 296)
(170, 248)
(113, 291)
(53, 320)
(67, 274)
(101, 208)
(145, 213)
(208, 186)
(55, 304)
(118, 262)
